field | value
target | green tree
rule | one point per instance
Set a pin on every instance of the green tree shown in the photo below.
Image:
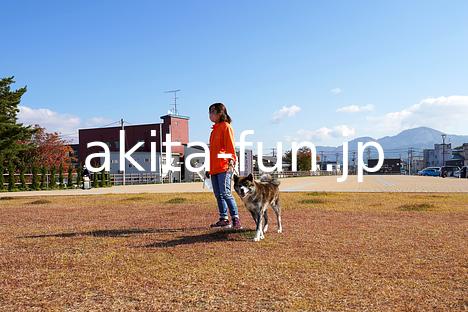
(103, 178)
(70, 177)
(61, 176)
(2, 179)
(53, 181)
(43, 178)
(11, 177)
(34, 185)
(24, 186)
(304, 155)
(12, 134)
(95, 180)
(108, 181)
(78, 176)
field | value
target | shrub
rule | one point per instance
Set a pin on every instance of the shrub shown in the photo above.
(78, 176)
(2, 179)
(34, 185)
(70, 177)
(43, 178)
(53, 181)
(23, 186)
(11, 177)
(95, 180)
(61, 176)
(103, 178)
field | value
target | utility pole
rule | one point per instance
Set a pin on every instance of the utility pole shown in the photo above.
(273, 151)
(321, 160)
(410, 160)
(160, 153)
(125, 163)
(354, 162)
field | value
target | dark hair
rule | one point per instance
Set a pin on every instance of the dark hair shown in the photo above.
(219, 108)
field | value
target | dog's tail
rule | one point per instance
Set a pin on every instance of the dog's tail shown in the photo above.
(269, 179)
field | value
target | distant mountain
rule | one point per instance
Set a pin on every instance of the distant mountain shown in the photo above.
(418, 138)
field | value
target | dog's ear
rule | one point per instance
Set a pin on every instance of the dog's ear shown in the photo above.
(250, 177)
(236, 178)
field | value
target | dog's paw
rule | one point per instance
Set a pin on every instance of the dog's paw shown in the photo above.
(280, 230)
(256, 239)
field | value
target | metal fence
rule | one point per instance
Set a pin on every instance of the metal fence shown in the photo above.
(152, 178)
(28, 179)
(47, 179)
(292, 174)
(137, 178)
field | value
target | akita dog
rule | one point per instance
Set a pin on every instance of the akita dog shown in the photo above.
(257, 196)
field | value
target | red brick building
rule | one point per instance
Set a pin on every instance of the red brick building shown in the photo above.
(176, 125)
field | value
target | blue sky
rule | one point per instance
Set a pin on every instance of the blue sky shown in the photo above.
(341, 69)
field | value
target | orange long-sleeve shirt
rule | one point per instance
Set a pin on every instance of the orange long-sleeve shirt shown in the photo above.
(221, 142)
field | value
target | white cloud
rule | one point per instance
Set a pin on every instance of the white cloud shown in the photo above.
(443, 113)
(285, 111)
(96, 122)
(52, 121)
(344, 131)
(336, 91)
(324, 134)
(355, 109)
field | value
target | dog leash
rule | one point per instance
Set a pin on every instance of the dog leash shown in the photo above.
(231, 166)
(234, 169)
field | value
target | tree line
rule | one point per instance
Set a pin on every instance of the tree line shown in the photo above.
(30, 157)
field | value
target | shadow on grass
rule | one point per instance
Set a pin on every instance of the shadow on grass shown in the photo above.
(116, 233)
(312, 201)
(40, 202)
(176, 200)
(416, 207)
(217, 236)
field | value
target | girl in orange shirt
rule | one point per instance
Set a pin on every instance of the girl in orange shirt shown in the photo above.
(222, 162)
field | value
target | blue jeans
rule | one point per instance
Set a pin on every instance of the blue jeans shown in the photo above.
(222, 190)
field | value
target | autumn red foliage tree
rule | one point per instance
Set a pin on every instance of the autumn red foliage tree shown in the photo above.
(49, 150)
(304, 156)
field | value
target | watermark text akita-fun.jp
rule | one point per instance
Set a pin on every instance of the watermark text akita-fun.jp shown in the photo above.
(168, 166)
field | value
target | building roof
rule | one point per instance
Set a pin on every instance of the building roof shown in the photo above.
(126, 126)
(176, 116)
(139, 125)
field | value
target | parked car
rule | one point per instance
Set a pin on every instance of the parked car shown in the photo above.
(462, 173)
(448, 171)
(430, 171)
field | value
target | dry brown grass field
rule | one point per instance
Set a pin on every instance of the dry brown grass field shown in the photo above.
(155, 252)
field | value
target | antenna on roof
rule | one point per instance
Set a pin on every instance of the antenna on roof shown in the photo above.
(174, 110)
